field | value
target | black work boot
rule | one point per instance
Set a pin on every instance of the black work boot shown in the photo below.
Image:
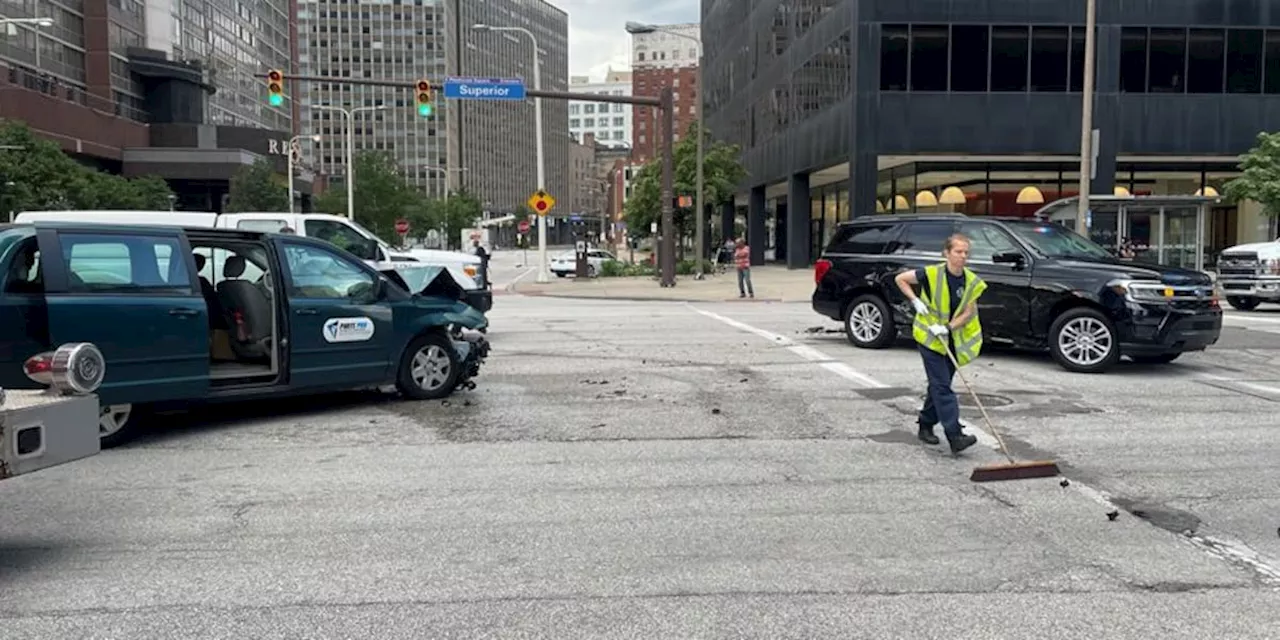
(926, 435)
(961, 442)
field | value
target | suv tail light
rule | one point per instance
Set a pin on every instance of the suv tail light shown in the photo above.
(820, 269)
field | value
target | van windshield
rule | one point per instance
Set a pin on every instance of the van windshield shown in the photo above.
(1057, 241)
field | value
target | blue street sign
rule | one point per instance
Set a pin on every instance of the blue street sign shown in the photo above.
(484, 88)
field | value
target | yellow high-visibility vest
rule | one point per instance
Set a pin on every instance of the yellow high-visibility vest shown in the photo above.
(968, 339)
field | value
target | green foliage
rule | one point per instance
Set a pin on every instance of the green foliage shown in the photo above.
(382, 195)
(257, 187)
(722, 172)
(620, 269)
(686, 267)
(44, 177)
(461, 210)
(1260, 175)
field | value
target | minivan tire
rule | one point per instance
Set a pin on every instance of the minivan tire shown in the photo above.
(860, 319)
(437, 353)
(1243, 304)
(1087, 321)
(123, 418)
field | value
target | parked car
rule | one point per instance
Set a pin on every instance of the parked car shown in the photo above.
(1048, 288)
(1249, 274)
(283, 315)
(566, 263)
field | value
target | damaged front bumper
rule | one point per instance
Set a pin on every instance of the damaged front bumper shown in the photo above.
(473, 350)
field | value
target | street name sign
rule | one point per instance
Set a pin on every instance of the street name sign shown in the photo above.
(484, 88)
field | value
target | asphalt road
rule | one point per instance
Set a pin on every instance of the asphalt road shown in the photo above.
(664, 470)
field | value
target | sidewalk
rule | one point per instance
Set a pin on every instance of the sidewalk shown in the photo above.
(772, 284)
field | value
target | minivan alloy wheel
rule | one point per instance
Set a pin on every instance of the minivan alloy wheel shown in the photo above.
(113, 418)
(866, 322)
(1085, 341)
(431, 367)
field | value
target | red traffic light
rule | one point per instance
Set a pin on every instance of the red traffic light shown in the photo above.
(275, 76)
(424, 86)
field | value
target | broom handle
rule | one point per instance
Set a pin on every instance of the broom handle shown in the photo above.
(990, 426)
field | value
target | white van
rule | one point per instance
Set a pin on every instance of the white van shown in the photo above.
(348, 234)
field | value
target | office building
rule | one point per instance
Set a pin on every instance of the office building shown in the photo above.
(378, 41)
(610, 124)
(661, 59)
(494, 141)
(845, 108)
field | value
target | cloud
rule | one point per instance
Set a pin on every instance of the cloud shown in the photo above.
(598, 39)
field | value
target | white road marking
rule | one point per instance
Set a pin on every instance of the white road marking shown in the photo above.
(1231, 551)
(1243, 383)
(520, 277)
(1243, 319)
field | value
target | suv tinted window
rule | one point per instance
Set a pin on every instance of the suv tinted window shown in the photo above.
(925, 237)
(863, 238)
(986, 240)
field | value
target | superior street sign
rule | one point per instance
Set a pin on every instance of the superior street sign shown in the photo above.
(484, 88)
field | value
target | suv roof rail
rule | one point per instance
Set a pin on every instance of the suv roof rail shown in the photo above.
(906, 216)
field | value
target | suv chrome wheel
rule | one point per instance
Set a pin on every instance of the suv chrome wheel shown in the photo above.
(1084, 341)
(868, 323)
(865, 322)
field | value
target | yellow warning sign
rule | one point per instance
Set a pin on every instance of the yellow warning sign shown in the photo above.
(541, 202)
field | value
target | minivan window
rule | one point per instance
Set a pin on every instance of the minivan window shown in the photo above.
(925, 237)
(124, 264)
(864, 238)
(1057, 241)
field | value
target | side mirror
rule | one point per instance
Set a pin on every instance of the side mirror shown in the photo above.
(1008, 257)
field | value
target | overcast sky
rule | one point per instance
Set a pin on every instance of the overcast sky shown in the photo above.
(597, 38)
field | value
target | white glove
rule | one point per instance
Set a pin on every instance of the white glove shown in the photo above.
(920, 306)
(939, 330)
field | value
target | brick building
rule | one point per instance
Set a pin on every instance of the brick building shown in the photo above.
(661, 59)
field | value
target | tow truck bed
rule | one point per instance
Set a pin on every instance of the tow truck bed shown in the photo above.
(39, 430)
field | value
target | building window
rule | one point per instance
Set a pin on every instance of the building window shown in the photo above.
(1010, 47)
(1244, 60)
(928, 58)
(1050, 47)
(1133, 60)
(970, 46)
(1271, 63)
(895, 56)
(1167, 60)
(1206, 57)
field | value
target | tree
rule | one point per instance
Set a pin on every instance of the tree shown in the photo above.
(722, 172)
(1260, 175)
(382, 196)
(44, 177)
(257, 187)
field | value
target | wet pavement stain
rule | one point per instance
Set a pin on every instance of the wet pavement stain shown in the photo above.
(989, 401)
(894, 436)
(886, 393)
(1167, 518)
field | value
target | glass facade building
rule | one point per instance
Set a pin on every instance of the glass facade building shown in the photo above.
(849, 108)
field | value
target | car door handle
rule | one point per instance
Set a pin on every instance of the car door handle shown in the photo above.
(183, 312)
(308, 311)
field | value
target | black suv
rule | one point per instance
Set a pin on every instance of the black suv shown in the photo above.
(1047, 287)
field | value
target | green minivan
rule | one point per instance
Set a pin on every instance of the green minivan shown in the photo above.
(199, 315)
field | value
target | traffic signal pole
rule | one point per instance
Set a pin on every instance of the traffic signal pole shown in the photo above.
(664, 103)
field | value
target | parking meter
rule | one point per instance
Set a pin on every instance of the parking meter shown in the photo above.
(580, 256)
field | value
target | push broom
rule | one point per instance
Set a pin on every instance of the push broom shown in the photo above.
(1014, 470)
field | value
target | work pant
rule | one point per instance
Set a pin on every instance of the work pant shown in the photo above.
(940, 403)
(744, 276)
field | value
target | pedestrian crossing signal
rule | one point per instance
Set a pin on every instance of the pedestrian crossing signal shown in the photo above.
(423, 98)
(275, 87)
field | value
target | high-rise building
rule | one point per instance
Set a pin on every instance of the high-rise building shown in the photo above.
(610, 123)
(660, 59)
(494, 141)
(379, 41)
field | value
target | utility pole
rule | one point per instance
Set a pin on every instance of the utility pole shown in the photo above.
(668, 256)
(1086, 120)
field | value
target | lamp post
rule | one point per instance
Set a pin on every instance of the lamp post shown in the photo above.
(440, 186)
(292, 145)
(636, 28)
(1086, 120)
(349, 114)
(543, 276)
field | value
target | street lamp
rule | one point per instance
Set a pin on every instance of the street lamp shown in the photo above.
(292, 145)
(1086, 120)
(446, 171)
(349, 114)
(637, 28)
(543, 276)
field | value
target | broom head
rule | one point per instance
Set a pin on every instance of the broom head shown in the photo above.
(1015, 471)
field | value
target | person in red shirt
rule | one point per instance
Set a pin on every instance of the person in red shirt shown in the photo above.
(742, 258)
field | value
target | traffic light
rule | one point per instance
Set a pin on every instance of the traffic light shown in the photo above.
(423, 97)
(275, 87)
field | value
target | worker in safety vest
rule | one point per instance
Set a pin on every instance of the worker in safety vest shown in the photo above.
(946, 319)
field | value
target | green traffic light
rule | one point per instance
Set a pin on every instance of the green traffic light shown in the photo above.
(424, 110)
(276, 100)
